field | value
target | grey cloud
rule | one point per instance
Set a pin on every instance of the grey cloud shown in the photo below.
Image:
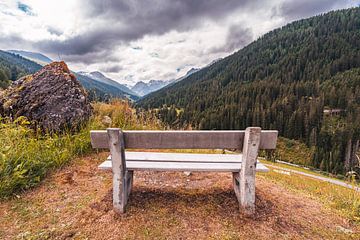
(90, 58)
(294, 9)
(54, 31)
(131, 20)
(13, 42)
(237, 37)
(112, 68)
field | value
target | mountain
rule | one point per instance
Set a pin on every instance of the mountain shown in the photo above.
(13, 67)
(188, 73)
(102, 78)
(284, 80)
(142, 88)
(103, 90)
(33, 56)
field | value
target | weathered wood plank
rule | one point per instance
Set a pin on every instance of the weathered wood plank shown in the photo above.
(248, 169)
(181, 157)
(184, 139)
(120, 186)
(183, 166)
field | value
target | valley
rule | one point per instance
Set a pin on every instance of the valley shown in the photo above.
(198, 69)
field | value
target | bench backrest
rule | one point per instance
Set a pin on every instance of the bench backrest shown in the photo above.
(184, 139)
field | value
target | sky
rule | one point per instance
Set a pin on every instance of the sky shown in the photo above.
(141, 40)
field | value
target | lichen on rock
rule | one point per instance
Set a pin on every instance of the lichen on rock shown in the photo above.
(52, 99)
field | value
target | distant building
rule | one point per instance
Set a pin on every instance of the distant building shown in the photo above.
(333, 112)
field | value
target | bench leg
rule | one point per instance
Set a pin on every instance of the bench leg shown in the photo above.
(122, 178)
(246, 177)
(119, 193)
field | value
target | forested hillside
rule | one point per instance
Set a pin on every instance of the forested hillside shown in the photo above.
(13, 67)
(284, 80)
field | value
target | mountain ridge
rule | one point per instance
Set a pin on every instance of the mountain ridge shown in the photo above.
(33, 56)
(145, 88)
(99, 76)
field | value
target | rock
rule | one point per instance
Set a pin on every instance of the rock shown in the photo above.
(344, 230)
(106, 120)
(52, 99)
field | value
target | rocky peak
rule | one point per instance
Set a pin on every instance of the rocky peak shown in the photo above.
(52, 99)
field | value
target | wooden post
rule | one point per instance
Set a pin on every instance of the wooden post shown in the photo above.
(248, 169)
(121, 177)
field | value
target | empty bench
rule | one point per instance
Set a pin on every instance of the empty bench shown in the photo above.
(242, 166)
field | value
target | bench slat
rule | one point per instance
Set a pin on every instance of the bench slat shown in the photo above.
(184, 139)
(181, 157)
(183, 166)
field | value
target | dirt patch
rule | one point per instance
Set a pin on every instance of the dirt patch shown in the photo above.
(76, 203)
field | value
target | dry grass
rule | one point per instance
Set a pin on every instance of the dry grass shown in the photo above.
(75, 203)
(344, 201)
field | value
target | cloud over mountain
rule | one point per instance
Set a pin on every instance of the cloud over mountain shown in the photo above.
(143, 40)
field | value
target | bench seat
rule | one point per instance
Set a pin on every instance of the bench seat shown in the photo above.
(155, 161)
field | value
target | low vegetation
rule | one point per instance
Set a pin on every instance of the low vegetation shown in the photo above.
(294, 151)
(26, 156)
(342, 200)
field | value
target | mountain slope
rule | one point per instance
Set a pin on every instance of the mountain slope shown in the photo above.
(99, 90)
(14, 66)
(276, 82)
(33, 56)
(102, 78)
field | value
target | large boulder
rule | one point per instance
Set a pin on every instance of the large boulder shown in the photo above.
(52, 99)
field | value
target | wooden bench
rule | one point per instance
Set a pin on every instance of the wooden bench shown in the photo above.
(242, 166)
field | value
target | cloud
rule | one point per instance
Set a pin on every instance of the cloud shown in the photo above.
(111, 68)
(54, 31)
(237, 37)
(295, 9)
(117, 22)
(141, 39)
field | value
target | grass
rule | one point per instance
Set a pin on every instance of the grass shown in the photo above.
(313, 172)
(343, 200)
(26, 156)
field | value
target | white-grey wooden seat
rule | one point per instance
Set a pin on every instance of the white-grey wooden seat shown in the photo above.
(242, 166)
(157, 161)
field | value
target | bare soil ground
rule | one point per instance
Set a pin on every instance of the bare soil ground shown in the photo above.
(75, 202)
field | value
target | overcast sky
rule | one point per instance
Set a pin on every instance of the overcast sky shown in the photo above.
(146, 39)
